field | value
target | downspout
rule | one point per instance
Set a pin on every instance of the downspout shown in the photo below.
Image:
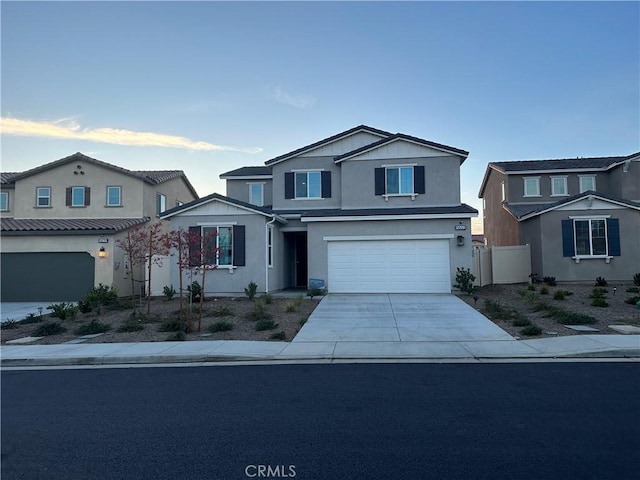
(266, 253)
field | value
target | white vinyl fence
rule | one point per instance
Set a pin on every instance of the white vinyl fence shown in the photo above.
(502, 265)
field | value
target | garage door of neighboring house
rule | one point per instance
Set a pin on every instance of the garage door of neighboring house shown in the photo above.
(389, 266)
(46, 276)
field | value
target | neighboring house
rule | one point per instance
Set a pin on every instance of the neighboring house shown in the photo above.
(60, 222)
(580, 216)
(361, 211)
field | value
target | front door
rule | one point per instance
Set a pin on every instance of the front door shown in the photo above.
(300, 256)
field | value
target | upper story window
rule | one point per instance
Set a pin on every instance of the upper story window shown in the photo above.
(308, 185)
(43, 197)
(256, 194)
(532, 186)
(161, 203)
(399, 180)
(559, 186)
(503, 195)
(587, 182)
(4, 201)
(78, 197)
(114, 196)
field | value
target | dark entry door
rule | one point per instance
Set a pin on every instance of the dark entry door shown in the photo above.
(301, 259)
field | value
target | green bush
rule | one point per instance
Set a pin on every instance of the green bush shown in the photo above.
(632, 300)
(551, 281)
(531, 330)
(601, 282)
(599, 302)
(84, 306)
(266, 325)
(49, 328)
(636, 279)
(544, 290)
(131, 325)
(259, 312)
(633, 290)
(194, 290)
(562, 316)
(92, 328)
(559, 295)
(31, 318)
(171, 325)
(497, 312)
(250, 290)
(222, 312)
(278, 336)
(464, 280)
(177, 337)
(521, 322)
(294, 304)
(220, 326)
(9, 324)
(267, 299)
(98, 296)
(598, 293)
(316, 292)
(63, 310)
(531, 287)
(168, 291)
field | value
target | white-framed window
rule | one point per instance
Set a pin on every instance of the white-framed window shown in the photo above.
(161, 203)
(4, 201)
(114, 196)
(587, 182)
(399, 180)
(77, 197)
(43, 196)
(531, 186)
(503, 195)
(308, 185)
(217, 245)
(270, 246)
(559, 186)
(256, 194)
(590, 237)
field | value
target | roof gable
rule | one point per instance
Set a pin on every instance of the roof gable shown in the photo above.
(401, 146)
(247, 172)
(355, 133)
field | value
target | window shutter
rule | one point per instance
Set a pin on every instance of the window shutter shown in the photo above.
(195, 247)
(418, 179)
(239, 246)
(567, 238)
(326, 184)
(87, 196)
(379, 181)
(289, 191)
(613, 236)
(67, 197)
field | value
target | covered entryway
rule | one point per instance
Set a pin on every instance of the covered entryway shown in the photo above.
(46, 276)
(389, 266)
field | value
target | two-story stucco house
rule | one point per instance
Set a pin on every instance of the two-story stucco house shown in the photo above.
(60, 222)
(580, 216)
(361, 211)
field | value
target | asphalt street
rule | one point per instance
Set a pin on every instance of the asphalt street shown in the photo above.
(331, 421)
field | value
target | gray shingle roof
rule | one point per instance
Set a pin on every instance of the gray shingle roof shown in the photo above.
(559, 164)
(248, 172)
(61, 225)
(328, 140)
(7, 177)
(216, 196)
(336, 212)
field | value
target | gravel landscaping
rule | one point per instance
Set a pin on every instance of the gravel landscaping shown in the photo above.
(539, 304)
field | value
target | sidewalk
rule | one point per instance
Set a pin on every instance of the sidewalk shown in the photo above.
(576, 346)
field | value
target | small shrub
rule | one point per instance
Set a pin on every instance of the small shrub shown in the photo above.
(222, 312)
(267, 299)
(464, 280)
(278, 336)
(531, 330)
(84, 306)
(599, 302)
(250, 290)
(259, 312)
(521, 322)
(49, 328)
(601, 282)
(294, 304)
(194, 290)
(92, 328)
(63, 310)
(598, 293)
(544, 290)
(177, 337)
(571, 318)
(31, 318)
(220, 326)
(632, 300)
(266, 325)
(636, 279)
(559, 295)
(131, 325)
(171, 325)
(497, 311)
(550, 281)
(9, 324)
(316, 292)
(168, 291)
(531, 287)
(633, 290)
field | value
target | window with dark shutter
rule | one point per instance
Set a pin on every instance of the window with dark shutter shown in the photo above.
(87, 196)
(418, 179)
(239, 259)
(195, 249)
(567, 238)
(67, 197)
(326, 184)
(613, 236)
(289, 186)
(379, 181)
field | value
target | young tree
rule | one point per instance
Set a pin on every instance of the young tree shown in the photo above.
(209, 253)
(185, 245)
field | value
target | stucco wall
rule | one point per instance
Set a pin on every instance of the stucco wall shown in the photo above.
(239, 189)
(317, 247)
(500, 227)
(174, 189)
(516, 186)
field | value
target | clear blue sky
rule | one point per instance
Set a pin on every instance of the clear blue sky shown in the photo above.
(208, 87)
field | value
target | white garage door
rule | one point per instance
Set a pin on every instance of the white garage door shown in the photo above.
(389, 266)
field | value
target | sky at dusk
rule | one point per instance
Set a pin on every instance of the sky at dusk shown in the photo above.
(208, 87)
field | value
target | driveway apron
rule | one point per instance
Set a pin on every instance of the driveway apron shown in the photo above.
(397, 318)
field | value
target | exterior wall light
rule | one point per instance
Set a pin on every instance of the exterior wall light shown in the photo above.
(102, 253)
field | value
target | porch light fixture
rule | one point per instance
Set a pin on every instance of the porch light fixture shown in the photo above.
(102, 253)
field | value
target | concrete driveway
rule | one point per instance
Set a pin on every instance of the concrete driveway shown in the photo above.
(397, 318)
